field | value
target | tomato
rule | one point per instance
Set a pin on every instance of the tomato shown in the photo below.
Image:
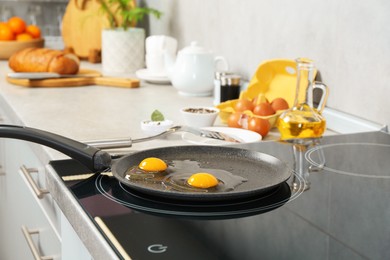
(263, 109)
(259, 125)
(234, 120)
(243, 104)
(279, 104)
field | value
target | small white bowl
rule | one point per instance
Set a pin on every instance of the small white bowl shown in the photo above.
(199, 116)
(151, 128)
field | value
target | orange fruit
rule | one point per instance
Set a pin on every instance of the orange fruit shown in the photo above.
(6, 34)
(17, 24)
(2, 24)
(24, 37)
(34, 31)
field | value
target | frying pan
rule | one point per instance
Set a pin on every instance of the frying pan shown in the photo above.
(262, 171)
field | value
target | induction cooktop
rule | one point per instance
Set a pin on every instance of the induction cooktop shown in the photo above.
(335, 206)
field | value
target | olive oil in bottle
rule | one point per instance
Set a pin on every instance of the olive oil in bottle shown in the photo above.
(301, 125)
(303, 120)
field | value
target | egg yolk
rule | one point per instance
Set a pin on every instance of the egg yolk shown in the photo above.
(153, 164)
(202, 180)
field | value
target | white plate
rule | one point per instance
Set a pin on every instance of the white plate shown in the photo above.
(245, 135)
(152, 78)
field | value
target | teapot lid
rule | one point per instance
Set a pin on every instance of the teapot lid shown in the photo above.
(194, 48)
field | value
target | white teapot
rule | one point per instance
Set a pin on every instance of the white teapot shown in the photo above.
(192, 74)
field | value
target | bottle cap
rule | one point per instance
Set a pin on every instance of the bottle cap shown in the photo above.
(230, 80)
(219, 74)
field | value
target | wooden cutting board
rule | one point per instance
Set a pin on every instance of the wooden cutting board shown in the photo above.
(92, 78)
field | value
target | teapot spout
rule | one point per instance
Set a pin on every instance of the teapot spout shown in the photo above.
(169, 63)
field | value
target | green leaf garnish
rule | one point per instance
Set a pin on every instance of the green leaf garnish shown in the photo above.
(157, 116)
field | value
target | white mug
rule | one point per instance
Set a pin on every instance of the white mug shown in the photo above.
(155, 47)
(160, 43)
(155, 64)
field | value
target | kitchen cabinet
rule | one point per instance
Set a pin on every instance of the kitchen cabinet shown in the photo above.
(26, 229)
(3, 120)
(72, 246)
(30, 220)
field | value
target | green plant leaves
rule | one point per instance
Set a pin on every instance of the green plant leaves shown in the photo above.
(130, 15)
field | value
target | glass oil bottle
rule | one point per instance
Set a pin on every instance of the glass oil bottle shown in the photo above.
(303, 120)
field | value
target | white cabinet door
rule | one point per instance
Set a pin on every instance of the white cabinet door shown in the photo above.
(72, 247)
(3, 187)
(20, 208)
(3, 120)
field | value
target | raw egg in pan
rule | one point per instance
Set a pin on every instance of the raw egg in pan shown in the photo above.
(183, 175)
(202, 180)
(153, 164)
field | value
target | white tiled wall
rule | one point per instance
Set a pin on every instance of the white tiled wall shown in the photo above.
(349, 40)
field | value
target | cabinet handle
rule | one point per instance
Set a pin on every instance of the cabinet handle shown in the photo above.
(27, 174)
(34, 250)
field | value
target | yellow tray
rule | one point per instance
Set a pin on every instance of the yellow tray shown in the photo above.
(273, 78)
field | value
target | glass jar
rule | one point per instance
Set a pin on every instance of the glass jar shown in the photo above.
(230, 87)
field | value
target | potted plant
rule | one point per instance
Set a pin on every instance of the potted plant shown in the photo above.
(123, 45)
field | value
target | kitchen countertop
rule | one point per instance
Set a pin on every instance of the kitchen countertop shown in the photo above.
(95, 112)
(92, 113)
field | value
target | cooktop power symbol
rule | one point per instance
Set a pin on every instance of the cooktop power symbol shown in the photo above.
(157, 248)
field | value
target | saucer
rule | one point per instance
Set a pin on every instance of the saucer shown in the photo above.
(152, 78)
(244, 135)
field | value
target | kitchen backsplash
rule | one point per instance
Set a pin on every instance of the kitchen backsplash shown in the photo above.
(348, 40)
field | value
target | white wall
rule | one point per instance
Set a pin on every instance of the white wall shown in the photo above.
(348, 39)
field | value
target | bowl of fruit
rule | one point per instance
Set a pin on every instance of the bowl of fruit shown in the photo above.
(16, 35)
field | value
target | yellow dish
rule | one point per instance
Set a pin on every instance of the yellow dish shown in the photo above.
(273, 78)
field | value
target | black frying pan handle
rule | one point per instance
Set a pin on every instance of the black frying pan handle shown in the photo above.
(91, 157)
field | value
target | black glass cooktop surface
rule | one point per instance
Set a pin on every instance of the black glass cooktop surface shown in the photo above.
(336, 205)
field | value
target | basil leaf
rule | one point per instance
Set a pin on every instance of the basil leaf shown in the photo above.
(157, 116)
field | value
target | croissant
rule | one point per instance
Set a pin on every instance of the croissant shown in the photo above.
(44, 60)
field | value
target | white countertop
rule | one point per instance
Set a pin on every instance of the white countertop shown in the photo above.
(100, 112)
(96, 112)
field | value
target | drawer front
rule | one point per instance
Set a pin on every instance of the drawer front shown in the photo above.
(33, 179)
(25, 224)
